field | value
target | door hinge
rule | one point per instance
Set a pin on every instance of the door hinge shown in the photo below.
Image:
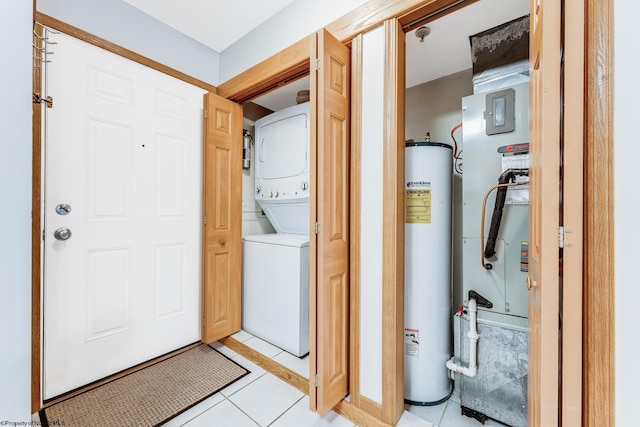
(204, 321)
(205, 220)
(317, 228)
(206, 114)
(317, 384)
(561, 242)
(317, 64)
(43, 234)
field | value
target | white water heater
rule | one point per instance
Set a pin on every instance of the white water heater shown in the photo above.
(427, 278)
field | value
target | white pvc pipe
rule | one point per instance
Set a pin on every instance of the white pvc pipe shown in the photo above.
(472, 369)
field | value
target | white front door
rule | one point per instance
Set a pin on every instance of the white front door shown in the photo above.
(122, 173)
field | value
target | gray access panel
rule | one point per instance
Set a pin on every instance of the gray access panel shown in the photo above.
(499, 390)
(503, 285)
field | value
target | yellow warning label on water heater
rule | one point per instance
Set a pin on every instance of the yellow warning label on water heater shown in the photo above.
(417, 206)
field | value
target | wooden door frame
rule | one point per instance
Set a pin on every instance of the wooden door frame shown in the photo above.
(598, 373)
(393, 223)
(37, 179)
(36, 235)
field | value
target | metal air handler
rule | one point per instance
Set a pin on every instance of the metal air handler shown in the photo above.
(495, 148)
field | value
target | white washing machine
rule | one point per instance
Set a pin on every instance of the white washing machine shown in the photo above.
(276, 290)
(275, 293)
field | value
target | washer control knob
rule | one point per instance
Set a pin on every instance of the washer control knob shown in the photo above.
(305, 186)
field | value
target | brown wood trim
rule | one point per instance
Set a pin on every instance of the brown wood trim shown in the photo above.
(203, 232)
(294, 59)
(345, 408)
(269, 74)
(430, 11)
(373, 13)
(253, 111)
(370, 407)
(599, 284)
(358, 415)
(285, 374)
(120, 374)
(58, 25)
(393, 224)
(355, 210)
(313, 238)
(36, 233)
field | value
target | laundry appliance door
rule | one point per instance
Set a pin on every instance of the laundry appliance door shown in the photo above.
(283, 143)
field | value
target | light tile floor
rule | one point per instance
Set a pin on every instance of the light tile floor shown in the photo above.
(262, 399)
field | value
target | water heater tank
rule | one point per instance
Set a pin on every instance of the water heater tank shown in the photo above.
(427, 278)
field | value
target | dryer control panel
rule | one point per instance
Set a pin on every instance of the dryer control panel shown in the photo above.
(283, 190)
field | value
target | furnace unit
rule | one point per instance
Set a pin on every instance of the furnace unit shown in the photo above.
(495, 254)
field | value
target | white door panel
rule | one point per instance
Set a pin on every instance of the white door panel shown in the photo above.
(123, 150)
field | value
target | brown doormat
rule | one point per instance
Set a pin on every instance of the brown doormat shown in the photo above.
(150, 396)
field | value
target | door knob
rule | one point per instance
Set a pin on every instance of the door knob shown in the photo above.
(223, 242)
(62, 233)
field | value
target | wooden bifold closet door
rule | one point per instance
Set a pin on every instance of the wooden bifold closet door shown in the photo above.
(329, 246)
(222, 207)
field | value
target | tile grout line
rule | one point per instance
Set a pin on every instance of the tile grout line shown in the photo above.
(287, 410)
(250, 382)
(444, 410)
(240, 409)
(203, 412)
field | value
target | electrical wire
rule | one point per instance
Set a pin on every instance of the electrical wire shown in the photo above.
(484, 208)
(457, 155)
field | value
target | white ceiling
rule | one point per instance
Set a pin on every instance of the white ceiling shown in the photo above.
(214, 23)
(446, 50)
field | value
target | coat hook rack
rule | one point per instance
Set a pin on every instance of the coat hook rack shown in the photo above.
(41, 44)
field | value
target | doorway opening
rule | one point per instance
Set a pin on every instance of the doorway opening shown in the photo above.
(445, 105)
(275, 318)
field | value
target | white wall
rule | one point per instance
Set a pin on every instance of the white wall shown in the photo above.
(371, 215)
(123, 24)
(253, 220)
(290, 25)
(627, 206)
(15, 188)
(436, 107)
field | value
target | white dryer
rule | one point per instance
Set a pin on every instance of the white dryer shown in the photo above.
(275, 301)
(282, 168)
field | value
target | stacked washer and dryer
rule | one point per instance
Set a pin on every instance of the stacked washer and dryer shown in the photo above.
(275, 302)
